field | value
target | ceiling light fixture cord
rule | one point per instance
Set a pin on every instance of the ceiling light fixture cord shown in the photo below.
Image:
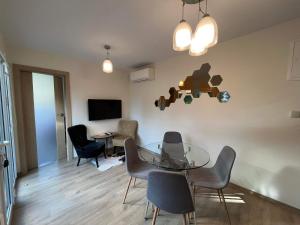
(182, 12)
(206, 8)
(107, 54)
(200, 10)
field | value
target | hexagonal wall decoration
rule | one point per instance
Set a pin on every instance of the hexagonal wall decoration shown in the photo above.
(216, 80)
(199, 82)
(223, 97)
(188, 99)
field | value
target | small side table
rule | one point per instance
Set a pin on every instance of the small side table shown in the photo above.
(104, 137)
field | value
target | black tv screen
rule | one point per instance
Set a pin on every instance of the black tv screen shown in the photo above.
(101, 109)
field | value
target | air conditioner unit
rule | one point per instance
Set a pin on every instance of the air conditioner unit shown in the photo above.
(142, 75)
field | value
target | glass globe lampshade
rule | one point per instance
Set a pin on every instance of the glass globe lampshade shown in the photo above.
(197, 47)
(182, 36)
(207, 31)
(107, 66)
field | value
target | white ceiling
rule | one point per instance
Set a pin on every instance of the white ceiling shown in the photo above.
(139, 31)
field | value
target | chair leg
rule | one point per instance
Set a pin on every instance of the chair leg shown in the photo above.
(97, 164)
(127, 190)
(194, 194)
(155, 216)
(219, 196)
(194, 201)
(105, 155)
(184, 219)
(146, 212)
(222, 194)
(134, 182)
(195, 218)
(78, 161)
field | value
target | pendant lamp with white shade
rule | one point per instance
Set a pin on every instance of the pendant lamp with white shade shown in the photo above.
(182, 35)
(107, 65)
(204, 37)
(207, 31)
(197, 47)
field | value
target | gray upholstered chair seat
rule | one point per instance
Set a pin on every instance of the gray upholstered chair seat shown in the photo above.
(142, 170)
(118, 140)
(126, 129)
(206, 177)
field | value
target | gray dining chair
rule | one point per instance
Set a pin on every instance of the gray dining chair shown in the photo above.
(170, 192)
(172, 147)
(136, 168)
(172, 137)
(216, 177)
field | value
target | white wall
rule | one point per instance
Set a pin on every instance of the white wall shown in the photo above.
(255, 122)
(87, 81)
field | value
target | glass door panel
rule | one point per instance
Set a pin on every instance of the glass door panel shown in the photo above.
(45, 118)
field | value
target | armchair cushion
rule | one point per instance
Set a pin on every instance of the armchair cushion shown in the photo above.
(92, 146)
(118, 140)
(126, 129)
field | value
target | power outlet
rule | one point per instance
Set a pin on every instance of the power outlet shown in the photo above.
(295, 114)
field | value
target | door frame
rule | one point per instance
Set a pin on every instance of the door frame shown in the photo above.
(17, 70)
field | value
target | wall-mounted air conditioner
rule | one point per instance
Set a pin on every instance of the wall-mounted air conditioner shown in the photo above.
(142, 75)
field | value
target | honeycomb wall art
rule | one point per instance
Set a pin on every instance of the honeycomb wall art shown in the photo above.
(193, 86)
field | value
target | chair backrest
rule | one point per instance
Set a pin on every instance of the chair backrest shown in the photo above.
(224, 164)
(173, 151)
(172, 137)
(78, 135)
(172, 146)
(170, 192)
(128, 128)
(131, 154)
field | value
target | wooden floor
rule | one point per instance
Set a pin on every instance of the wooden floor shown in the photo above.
(63, 194)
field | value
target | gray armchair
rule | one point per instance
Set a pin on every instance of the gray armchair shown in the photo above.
(126, 129)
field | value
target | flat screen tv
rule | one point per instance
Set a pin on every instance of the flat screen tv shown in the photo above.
(102, 109)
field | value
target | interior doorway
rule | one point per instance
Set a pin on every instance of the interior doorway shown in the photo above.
(49, 118)
(42, 102)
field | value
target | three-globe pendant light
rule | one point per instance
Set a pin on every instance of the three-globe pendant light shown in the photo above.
(204, 37)
(107, 65)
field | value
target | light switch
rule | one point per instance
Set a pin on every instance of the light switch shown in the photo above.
(295, 114)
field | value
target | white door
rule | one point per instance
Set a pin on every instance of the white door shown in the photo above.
(7, 147)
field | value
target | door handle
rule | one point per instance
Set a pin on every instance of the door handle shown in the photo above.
(3, 143)
(5, 163)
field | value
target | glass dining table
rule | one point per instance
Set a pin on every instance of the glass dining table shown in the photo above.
(174, 156)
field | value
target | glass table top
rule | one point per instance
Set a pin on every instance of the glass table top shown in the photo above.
(174, 156)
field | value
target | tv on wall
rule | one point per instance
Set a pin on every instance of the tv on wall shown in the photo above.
(102, 109)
